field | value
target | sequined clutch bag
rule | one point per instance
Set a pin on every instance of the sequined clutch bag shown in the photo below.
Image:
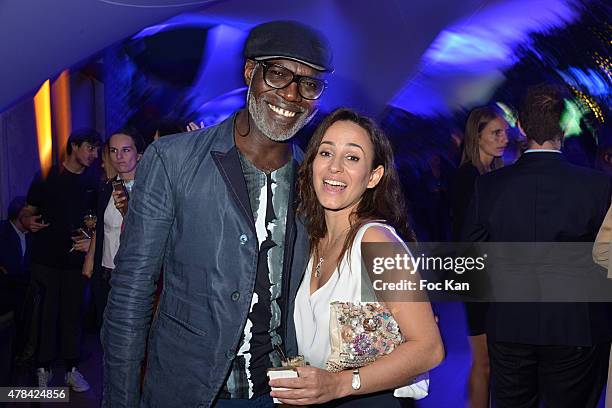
(360, 333)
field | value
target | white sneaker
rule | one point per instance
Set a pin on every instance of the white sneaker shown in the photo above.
(44, 377)
(76, 381)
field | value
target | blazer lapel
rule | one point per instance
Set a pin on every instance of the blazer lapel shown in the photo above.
(16, 243)
(229, 166)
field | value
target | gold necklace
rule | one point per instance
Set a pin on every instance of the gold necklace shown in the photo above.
(317, 271)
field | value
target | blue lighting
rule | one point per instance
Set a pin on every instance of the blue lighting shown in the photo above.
(590, 80)
(474, 52)
(492, 34)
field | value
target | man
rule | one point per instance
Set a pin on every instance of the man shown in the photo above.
(553, 354)
(56, 207)
(14, 260)
(14, 242)
(215, 209)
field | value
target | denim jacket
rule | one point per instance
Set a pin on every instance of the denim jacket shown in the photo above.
(190, 213)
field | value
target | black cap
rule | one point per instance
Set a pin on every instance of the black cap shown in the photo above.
(289, 40)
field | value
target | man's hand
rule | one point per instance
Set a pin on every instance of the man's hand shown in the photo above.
(81, 244)
(33, 222)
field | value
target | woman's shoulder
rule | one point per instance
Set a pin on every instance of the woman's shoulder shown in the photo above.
(467, 170)
(377, 231)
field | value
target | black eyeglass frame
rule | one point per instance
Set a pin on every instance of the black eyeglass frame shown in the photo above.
(295, 78)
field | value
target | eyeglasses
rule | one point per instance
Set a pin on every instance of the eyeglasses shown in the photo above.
(278, 77)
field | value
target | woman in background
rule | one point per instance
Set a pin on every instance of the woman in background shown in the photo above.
(485, 140)
(108, 171)
(125, 148)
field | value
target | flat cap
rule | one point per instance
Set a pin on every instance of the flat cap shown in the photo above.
(290, 40)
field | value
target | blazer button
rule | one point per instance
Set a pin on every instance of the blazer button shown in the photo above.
(235, 296)
(230, 354)
(243, 239)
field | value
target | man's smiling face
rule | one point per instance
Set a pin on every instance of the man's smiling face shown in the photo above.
(279, 113)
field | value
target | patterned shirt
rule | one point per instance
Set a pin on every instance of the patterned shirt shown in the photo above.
(269, 198)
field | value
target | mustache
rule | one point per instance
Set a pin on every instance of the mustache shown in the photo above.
(281, 104)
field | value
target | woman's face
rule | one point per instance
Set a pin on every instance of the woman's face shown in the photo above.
(493, 139)
(342, 169)
(123, 153)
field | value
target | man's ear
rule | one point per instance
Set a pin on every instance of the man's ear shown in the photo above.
(520, 128)
(249, 71)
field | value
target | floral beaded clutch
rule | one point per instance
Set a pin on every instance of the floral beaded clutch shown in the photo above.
(360, 333)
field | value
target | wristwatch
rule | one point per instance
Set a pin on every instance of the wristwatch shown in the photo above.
(356, 383)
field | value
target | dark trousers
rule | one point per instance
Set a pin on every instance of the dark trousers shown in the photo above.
(264, 401)
(378, 399)
(62, 298)
(100, 287)
(525, 376)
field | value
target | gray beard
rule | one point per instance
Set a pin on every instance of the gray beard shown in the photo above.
(275, 133)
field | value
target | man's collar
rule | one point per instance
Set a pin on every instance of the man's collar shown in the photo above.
(17, 230)
(542, 151)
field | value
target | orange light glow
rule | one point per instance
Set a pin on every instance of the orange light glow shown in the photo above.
(42, 109)
(60, 92)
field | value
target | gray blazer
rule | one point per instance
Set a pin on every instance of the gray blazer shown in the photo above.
(190, 213)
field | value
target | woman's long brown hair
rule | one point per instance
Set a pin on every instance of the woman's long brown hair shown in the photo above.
(383, 202)
(478, 119)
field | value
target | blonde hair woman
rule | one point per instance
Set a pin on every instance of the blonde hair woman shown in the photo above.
(486, 139)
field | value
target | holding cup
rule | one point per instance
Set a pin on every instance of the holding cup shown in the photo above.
(80, 239)
(288, 370)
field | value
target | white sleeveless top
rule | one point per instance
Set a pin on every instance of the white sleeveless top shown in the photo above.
(311, 313)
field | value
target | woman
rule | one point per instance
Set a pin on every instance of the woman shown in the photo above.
(108, 171)
(125, 149)
(349, 192)
(486, 138)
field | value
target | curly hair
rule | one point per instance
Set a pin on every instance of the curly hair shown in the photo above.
(383, 202)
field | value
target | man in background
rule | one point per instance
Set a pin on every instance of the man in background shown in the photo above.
(55, 211)
(14, 259)
(555, 354)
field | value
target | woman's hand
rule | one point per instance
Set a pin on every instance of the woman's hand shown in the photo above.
(313, 386)
(87, 269)
(121, 202)
(191, 126)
